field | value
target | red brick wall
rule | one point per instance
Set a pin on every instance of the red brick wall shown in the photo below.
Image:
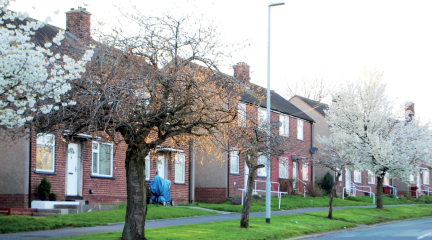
(14, 200)
(211, 195)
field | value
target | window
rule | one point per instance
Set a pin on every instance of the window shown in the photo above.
(242, 114)
(234, 162)
(180, 168)
(45, 152)
(300, 134)
(294, 170)
(262, 116)
(283, 167)
(357, 176)
(284, 128)
(386, 179)
(371, 177)
(305, 171)
(336, 173)
(102, 159)
(426, 176)
(411, 178)
(262, 172)
(147, 167)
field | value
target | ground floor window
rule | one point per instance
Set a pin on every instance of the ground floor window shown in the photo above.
(45, 152)
(102, 159)
(262, 172)
(426, 177)
(357, 176)
(147, 167)
(180, 162)
(234, 162)
(283, 167)
(371, 177)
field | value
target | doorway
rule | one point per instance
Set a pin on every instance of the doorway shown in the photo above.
(72, 170)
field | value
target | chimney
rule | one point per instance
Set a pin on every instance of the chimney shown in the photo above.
(241, 72)
(78, 23)
(409, 111)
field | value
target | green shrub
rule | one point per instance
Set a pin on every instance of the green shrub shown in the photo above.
(313, 190)
(52, 196)
(407, 195)
(327, 182)
(44, 189)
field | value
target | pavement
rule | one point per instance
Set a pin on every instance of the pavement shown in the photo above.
(224, 216)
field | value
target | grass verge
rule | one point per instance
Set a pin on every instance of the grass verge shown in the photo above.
(393, 200)
(11, 224)
(373, 215)
(282, 227)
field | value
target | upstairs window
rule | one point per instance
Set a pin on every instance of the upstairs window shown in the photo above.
(262, 116)
(371, 177)
(147, 167)
(262, 172)
(45, 152)
(357, 176)
(300, 134)
(102, 159)
(234, 162)
(241, 114)
(284, 128)
(283, 167)
(180, 168)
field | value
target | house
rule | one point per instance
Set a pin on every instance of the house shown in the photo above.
(82, 167)
(218, 180)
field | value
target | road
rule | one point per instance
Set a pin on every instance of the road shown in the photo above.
(409, 229)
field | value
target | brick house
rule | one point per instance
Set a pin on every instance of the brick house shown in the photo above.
(216, 181)
(84, 167)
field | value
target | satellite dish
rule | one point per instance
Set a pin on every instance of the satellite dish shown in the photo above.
(278, 124)
(313, 150)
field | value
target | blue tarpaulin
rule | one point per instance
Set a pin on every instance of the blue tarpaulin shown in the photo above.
(160, 189)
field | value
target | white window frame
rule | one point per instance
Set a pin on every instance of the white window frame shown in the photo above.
(371, 175)
(262, 116)
(242, 114)
(426, 173)
(411, 178)
(357, 176)
(386, 176)
(300, 129)
(44, 143)
(305, 171)
(147, 167)
(178, 161)
(262, 172)
(284, 167)
(341, 176)
(98, 165)
(234, 157)
(284, 128)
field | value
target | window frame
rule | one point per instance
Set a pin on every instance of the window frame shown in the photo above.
(262, 118)
(184, 168)
(234, 154)
(242, 114)
(264, 169)
(305, 166)
(356, 175)
(300, 124)
(428, 177)
(386, 176)
(285, 163)
(284, 128)
(372, 176)
(44, 143)
(98, 152)
(340, 177)
(147, 167)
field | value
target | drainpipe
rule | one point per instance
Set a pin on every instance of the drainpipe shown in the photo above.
(192, 171)
(29, 168)
(313, 145)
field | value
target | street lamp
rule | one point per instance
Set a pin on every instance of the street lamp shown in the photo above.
(268, 184)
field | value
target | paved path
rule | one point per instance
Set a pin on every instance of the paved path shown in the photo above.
(68, 232)
(408, 229)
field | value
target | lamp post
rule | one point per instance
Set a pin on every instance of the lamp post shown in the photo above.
(268, 184)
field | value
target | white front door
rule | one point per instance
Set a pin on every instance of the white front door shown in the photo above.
(348, 180)
(161, 166)
(72, 170)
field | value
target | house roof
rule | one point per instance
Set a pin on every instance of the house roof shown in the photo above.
(257, 95)
(318, 106)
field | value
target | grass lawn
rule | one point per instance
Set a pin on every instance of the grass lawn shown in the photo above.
(288, 202)
(392, 200)
(373, 215)
(282, 227)
(10, 224)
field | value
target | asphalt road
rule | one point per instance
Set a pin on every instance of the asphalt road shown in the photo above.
(408, 229)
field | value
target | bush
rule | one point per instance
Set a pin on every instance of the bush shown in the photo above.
(407, 195)
(44, 189)
(327, 182)
(52, 196)
(313, 190)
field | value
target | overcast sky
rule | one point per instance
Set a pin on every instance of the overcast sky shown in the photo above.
(336, 39)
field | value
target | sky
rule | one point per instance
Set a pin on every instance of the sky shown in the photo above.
(334, 38)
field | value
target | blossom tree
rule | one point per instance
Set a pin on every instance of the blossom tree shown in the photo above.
(376, 139)
(334, 154)
(33, 75)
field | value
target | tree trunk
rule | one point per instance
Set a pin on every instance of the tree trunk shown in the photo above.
(380, 203)
(136, 195)
(244, 222)
(332, 195)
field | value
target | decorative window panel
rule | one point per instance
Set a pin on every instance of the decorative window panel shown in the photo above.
(305, 171)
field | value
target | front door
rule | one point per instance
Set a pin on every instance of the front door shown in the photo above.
(72, 170)
(348, 180)
(161, 166)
